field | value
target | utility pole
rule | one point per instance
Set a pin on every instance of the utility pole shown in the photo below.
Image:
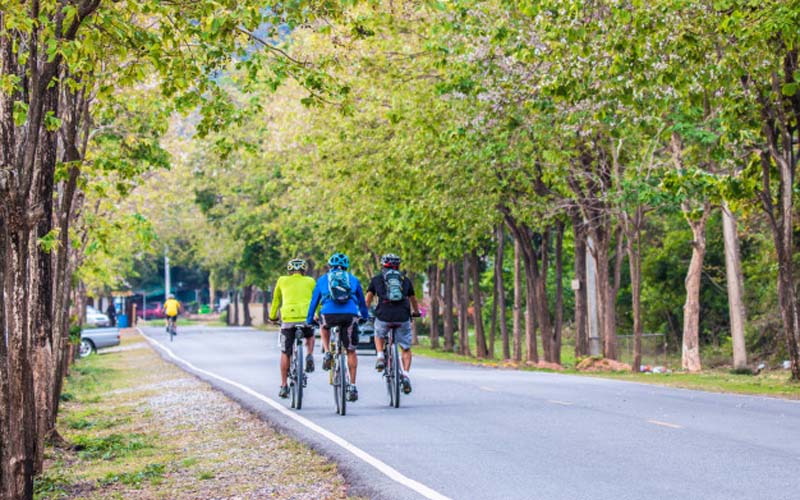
(595, 347)
(167, 284)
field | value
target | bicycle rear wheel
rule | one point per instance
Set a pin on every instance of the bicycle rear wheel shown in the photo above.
(395, 376)
(297, 378)
(341, 392)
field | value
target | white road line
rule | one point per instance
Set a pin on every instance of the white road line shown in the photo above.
(557, 402)
(381, 466)
(665, 424)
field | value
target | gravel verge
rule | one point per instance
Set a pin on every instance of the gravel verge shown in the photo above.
(137, 427)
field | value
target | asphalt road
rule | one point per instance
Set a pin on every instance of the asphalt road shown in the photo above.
(479, 433)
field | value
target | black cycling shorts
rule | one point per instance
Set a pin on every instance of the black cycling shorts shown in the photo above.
(288, 335)
(346, 324)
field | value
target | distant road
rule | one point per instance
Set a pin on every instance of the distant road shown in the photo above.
(480, 433)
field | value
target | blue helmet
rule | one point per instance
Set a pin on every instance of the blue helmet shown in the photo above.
(339, 260)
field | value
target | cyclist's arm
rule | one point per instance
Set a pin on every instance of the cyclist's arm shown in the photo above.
(369, 297)
(414, 304)
(276, 302)
(312, 308)
(362, 304)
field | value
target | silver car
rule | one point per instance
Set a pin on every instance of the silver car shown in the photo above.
(93, 339)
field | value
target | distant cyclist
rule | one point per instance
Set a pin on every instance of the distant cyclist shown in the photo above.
(340, 299)
(171, 309)
(293, 295)
(396, 304)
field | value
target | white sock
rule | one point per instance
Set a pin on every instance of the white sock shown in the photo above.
(380, 355)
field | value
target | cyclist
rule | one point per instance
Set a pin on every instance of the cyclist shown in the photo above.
(396, 304)
(171, 309)
(293, 295)
(340, 299)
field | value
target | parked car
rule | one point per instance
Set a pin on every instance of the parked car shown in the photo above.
(153, 311)
(96, 318)
(93, 339)
(366, 336)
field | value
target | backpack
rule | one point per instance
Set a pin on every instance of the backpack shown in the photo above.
(339, 285)
(393, 280)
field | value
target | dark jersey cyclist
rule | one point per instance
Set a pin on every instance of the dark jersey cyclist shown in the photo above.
(393, 310)
(341, 311)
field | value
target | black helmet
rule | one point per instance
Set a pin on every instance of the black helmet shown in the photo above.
(390, 260)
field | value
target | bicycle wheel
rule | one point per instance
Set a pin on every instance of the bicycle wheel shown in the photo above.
(171, 330)
(342, 389)
(297, 378)
(336, 382)
(395, 376)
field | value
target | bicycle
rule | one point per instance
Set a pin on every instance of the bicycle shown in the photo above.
(171, 327)
(339, 374)
(393, 371)
(297, 377)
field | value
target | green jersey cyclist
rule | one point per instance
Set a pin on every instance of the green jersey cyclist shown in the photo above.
(293, 295)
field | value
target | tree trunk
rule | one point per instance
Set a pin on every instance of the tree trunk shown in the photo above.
(434, 291)
(480, 335)
(265, 307)
(500, 291)
(733, 268)
(20, 410)
(464, 307)
(540, 296)
(236, 308)
(247, 298)
(517, 301)
(634, 246)
(581, 334)
(212, 289)
(690, 352)
(449, 320)
(559, 320)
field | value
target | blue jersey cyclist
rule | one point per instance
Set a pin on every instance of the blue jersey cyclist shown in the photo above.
(340, 299)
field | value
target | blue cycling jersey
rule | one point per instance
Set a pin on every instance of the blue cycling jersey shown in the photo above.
(355, 306)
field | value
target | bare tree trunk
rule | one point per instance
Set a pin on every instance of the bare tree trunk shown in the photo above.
(733, 268)
(634, 246)
(493, 316)
(449, 321)
(559, 320)
(247, 298)
(500, 290)
(540, 297)
(690, 353)
(480, 335)
(581, 335)
(212, 289)
(236, 308)
(435, 287)
(517, 301)
(265, 307)
(464, 309)
(19, 448)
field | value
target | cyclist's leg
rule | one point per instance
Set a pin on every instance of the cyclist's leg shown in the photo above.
(309, 334)
(325, 336)
(402, 336)
(286, 341)
(350, 341)
(381, 331)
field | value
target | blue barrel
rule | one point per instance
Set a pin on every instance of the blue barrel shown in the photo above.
(122, 320)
